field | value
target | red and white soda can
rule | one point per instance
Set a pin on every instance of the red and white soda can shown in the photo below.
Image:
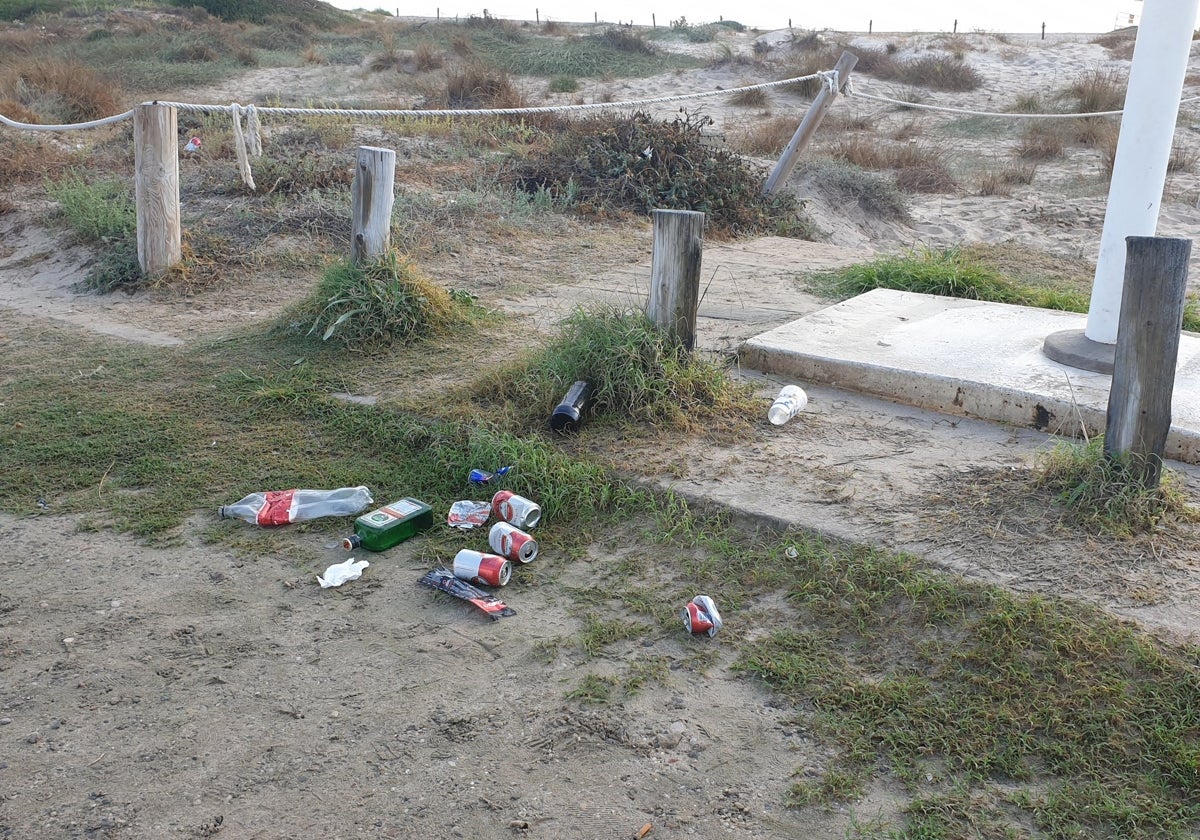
(485, 569)
(515, 509)
(509, 540)
(701, 616)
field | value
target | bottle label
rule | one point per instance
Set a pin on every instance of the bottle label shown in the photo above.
(393, 512)
(277, 510)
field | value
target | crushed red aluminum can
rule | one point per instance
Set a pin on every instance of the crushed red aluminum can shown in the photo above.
(509, 540)
(515, 509)
(480, 568)
(701, 616)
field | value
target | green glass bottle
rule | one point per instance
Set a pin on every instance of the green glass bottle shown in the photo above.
(381, 529)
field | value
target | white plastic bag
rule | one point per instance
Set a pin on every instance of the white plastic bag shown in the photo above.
(339, 573)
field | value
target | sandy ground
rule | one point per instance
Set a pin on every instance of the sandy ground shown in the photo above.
(193, 690)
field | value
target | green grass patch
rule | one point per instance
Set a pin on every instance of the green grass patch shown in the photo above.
(952, 272)
(1029, 704)
(639, 374)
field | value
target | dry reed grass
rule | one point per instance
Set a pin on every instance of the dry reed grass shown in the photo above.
(59, 91)
(763, 138)
(1043, 140)
(428, 57)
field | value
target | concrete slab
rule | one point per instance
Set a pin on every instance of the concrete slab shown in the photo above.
(963, 357)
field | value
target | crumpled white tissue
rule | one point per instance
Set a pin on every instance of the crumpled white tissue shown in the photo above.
(339, 573)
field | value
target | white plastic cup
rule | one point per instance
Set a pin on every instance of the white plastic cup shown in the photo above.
(788, 404)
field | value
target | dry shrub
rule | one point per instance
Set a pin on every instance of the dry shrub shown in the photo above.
(479, 85)
(1019, 174)
(1094, 132)
(756, 98)
(1043, 140)
(60, 91)
(806, 63)
(993, 183)
(427, 57)
(1100, 89)
(878, 62)
(838, 121)
(764, 139)
(1001, 181)
(6, 206)
(920, 167)
(626, 40)
(16, 111)
(1116, 38)
(1028, 103)
(939, 73)
(863, 152)
(926, 177)
(26, 160)
(1119, 43)
(909, 129)
(15, 42)
(1182, 160)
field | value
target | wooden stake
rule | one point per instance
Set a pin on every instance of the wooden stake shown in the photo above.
(372, 196)
(1139, 401)
(675, 273)
(808, 126)
(156, 187)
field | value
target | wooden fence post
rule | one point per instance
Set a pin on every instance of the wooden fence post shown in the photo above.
(372, 196)
(1139, 401)
(156, 187)
(675, 273)
(808, 125)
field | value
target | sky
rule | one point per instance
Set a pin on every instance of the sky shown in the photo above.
(846, 15)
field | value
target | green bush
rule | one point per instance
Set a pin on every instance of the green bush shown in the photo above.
(611, 163)
(98, 211)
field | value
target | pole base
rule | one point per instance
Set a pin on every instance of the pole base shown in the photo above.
(1074, 348)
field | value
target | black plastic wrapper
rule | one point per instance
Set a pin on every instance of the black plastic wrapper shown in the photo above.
(567, 414)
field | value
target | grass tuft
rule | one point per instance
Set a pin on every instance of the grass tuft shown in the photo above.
(1105, 494)
(639, 375)
(376, 304)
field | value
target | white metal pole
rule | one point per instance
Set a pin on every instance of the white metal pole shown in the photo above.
(1160, 57)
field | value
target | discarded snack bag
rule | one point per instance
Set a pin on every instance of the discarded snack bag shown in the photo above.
(467, 514)
(485, 477)
(701, 616)
(339, 573)
(445, 581)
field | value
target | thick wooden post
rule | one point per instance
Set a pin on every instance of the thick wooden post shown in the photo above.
(1139, 402)
(675, 273)
(156, 187)
(808, 125)
(372, 196)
